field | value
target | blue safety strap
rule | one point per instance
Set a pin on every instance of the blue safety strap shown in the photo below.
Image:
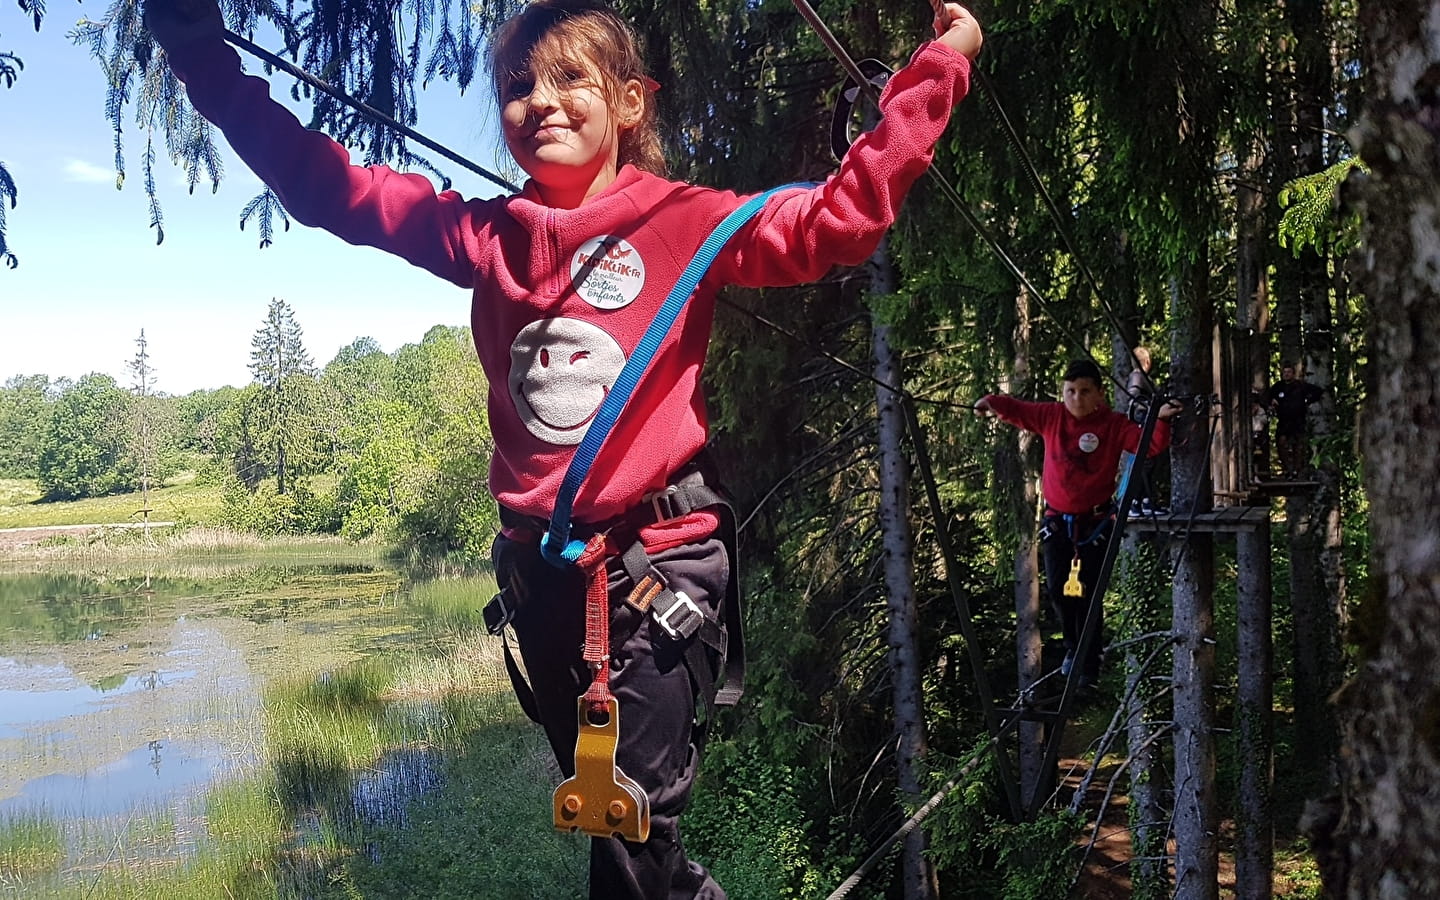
(556, 546)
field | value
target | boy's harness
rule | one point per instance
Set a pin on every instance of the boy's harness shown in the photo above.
(1068, 524)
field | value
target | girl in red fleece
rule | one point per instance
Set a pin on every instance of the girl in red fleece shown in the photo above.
(564, 278)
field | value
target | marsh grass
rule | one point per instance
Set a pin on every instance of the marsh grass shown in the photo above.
(455, 603)
(403, 771)
(30, 844)
(181, 543)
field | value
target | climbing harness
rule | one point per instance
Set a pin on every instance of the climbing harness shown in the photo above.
(601, 800)
(1068, 525)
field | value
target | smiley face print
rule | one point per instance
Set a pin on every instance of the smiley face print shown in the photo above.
(560, 372)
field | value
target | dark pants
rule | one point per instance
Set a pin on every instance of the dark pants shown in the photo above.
(1059, 548)
(1292, 449)
(659, 742)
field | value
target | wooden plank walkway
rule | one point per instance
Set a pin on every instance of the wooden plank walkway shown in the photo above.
(1230, 519)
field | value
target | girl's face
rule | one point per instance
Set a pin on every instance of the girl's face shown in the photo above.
(564, 132)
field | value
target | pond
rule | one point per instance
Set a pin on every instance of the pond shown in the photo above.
(250, 726)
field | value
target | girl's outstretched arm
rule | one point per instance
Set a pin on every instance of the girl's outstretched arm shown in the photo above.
(957, 29)
(310, 173)
(800, 235)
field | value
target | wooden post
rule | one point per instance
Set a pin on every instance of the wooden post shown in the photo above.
(1255, 730)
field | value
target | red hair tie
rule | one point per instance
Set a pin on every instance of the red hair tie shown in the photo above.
(651, 84)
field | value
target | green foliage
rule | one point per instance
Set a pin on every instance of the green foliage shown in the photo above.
(748, 823)
(1312, 217)
(448, 507)
(10, 67)
(375, 49)
(199, 415)
(288, 404)
(266, 511)
(26, 403)
(976, 846)
(85, 450)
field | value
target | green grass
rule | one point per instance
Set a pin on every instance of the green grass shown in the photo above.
(29, 844)
(456, 603)
(291, 827)
(182, 499)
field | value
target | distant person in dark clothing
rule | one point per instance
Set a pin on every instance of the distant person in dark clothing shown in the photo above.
(1288, 399)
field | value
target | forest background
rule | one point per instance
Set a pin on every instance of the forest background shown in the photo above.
(1192, 153)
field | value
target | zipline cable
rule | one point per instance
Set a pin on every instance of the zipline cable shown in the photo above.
(1032, 174)
(364, 108)
(914, 820)
(853, 71)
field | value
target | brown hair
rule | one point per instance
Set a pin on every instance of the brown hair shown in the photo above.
(547, 34)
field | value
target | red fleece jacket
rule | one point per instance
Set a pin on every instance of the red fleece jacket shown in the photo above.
(1082, 456)
(560, 297)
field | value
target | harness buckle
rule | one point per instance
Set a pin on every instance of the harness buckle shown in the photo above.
(662, 503)
(688, 617)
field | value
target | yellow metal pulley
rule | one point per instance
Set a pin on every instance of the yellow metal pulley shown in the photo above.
(601, 800)
(1073, 587)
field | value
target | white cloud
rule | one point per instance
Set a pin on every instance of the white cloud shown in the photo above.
(80, 170)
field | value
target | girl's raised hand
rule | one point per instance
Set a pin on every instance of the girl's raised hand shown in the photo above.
(175, 23)
(956, 28)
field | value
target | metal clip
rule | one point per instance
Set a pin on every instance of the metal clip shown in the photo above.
(660, 503)
(691, 615)
(601, 800)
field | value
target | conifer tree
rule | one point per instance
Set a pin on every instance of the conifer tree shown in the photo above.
(277, 359)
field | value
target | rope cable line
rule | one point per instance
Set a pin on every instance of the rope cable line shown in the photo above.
(364, 108)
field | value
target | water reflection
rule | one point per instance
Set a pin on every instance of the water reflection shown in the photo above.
(159, 774)
(138, 689)
(39, 694)
(151, 702)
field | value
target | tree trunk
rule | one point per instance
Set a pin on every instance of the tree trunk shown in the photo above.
(904, 655)
(1142, 584)
(1255, 730)
(1254, 649)
(1016, 464)
(1380, 837)
(1197, 859)
(1317, 583)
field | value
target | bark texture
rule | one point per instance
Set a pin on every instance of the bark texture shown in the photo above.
(1197, 860)
(1380, 836)
(919, 875)
(1254, 723)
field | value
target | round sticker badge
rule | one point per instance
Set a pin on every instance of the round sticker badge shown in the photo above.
(1089, 441)
(607, 272)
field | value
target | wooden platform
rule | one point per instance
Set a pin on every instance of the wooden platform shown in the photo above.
(1224, 519)
(1280, 486)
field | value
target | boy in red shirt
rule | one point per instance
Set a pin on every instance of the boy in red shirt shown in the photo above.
(1083, 439)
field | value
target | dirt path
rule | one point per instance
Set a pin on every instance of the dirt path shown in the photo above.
(13, 538)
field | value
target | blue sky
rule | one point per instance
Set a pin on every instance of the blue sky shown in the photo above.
(91, 276)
